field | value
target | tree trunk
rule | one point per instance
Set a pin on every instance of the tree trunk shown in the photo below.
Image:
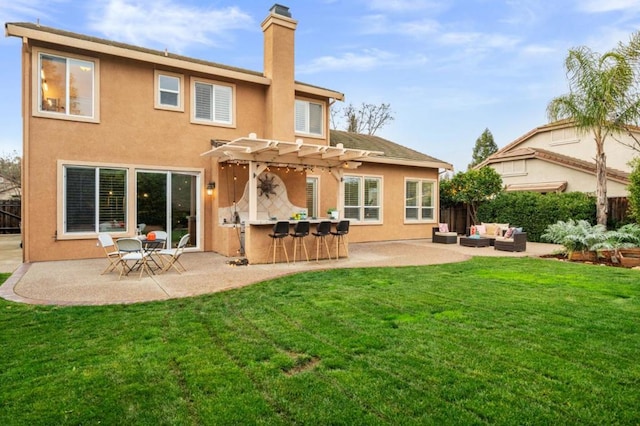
(601, 186)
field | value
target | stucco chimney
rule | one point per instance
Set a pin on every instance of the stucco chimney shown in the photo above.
(279, 34)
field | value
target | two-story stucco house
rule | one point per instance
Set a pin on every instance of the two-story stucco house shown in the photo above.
(556, 158)
(119, 138)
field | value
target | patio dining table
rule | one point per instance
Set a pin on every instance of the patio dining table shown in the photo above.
(152, 246)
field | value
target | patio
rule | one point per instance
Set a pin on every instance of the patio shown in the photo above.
(78, 282)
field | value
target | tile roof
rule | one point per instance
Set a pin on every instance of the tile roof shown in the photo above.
(392, 150)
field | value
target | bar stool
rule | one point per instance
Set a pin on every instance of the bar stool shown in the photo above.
(280, 232)
(300, 230)
(340, 235)
(323, 229)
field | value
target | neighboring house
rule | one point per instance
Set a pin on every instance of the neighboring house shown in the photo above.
(556, 158)
(9, 190)
(118, 137)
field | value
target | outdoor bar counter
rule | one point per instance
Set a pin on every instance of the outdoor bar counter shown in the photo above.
(257, 242)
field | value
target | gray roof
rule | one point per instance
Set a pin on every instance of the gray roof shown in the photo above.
(391, 150)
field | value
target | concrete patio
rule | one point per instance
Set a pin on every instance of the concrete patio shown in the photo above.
(78, 282)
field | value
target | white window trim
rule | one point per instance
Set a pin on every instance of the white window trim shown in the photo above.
(323, 104)
(131, 170)
(195, 120)
(35, 81)
(318, 213)
(380, 219)
(435, 196)
(156, 91)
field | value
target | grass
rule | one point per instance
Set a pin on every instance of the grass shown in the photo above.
(491, 340)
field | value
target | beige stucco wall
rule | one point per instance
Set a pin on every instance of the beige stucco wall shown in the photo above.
(583, 147)
(538, 171)
(131, 132)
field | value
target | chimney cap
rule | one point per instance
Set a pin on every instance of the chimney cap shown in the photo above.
(279, 9)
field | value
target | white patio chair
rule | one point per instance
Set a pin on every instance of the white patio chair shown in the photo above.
(171, 257)
(131, 251)
(110, 250)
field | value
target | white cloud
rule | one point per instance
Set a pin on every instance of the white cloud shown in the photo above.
(166, 23)
(602, 6)
(404, 5)
(11, 10)
(478, 40)
(367, 60)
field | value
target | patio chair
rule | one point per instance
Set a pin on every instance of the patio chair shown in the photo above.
(300, 231)
(171, 257)
(323, 229)
(280, 232)
(340, 234)
(110, 250)
(131, 250)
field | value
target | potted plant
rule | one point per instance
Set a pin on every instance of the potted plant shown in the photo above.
(333, 213)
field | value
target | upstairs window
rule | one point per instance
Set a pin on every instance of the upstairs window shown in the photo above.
(66, 87)
(309, 118)
(168, 89)
(212, 103)
(419, 196)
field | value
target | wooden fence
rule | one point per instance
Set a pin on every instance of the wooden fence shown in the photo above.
(458, 221)
(10, 216)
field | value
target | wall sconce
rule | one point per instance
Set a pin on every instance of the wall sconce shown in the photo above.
(210, 187)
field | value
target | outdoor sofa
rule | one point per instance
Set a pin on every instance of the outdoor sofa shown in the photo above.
(443, 237)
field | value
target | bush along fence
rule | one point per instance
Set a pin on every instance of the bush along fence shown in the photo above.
(534, 211)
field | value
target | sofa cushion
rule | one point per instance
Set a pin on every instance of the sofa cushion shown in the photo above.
(446, 234)
(509, 232)
(490, 228)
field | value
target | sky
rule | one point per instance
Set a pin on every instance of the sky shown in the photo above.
(449, 69)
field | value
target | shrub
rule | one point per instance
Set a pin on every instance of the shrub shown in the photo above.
(534, 212)
(575, 235)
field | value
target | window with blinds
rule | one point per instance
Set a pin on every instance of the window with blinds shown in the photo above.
(94, 199)
(312, 196)
(419, 196)
(362, 198)
(213, 103)
(309, 117)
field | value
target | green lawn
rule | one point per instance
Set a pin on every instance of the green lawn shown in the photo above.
(491, 340)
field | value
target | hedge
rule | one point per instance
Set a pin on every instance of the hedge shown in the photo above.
(534, 211)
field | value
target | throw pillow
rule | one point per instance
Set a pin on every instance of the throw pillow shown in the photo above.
(509, 233)
(490, 228)
(481, 229)
(443, 227)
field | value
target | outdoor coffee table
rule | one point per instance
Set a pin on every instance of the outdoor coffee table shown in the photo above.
(475, 242)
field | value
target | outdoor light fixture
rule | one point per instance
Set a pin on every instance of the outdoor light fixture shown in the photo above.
(210, 187)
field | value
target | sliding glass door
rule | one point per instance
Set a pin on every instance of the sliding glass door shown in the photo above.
(168, 201)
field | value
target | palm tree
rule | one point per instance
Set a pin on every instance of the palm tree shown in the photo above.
(602, 100)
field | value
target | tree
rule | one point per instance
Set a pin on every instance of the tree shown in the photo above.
(484, 147)
(602, 100)
(471, 187)
(367, 120)
(10, 171)
(634, 190)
